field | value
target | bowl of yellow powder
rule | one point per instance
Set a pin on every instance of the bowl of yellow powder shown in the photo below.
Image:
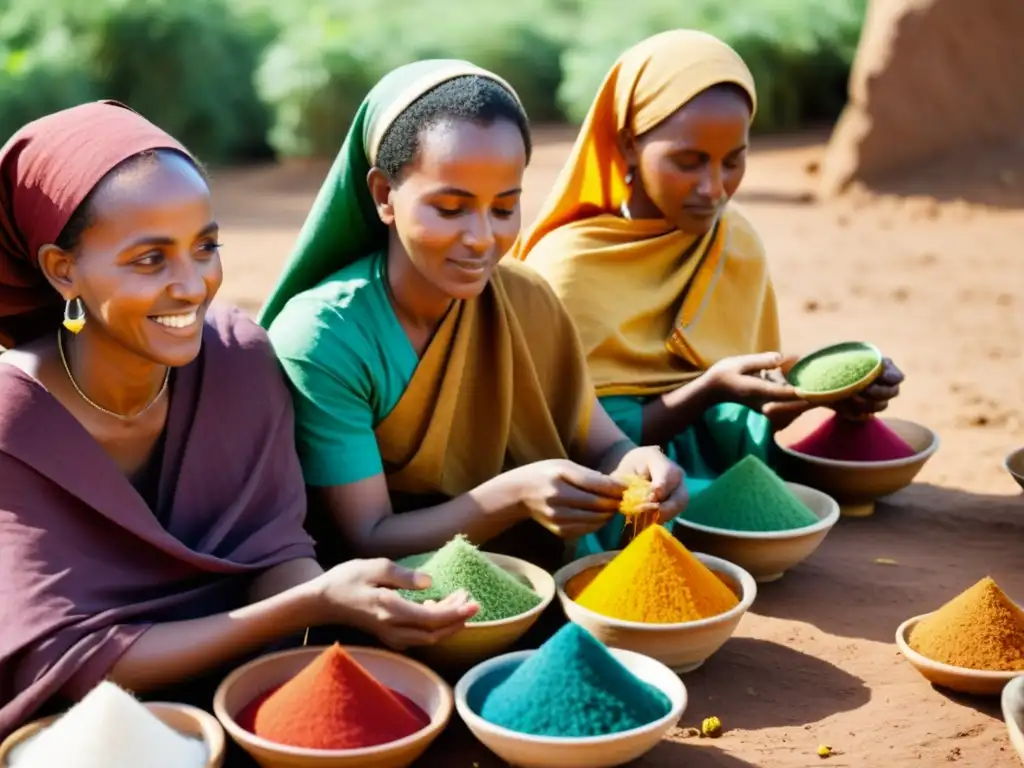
(836, 372)
(973, 644)
(751, 517)
(657, 598)
(1013, 713)
(858, 485)
(512, 595)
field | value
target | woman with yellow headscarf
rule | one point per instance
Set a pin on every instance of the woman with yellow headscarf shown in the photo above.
(665, 279)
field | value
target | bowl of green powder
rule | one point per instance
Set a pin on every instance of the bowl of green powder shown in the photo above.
(751, 517)
(858, 485)
(512, 595)
(572, 703)
(836, 372)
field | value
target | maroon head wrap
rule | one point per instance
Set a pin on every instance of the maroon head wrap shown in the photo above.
(46, 170)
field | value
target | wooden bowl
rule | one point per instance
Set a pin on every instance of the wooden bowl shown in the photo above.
(836, 395)
(857, 485)
(970, 681)
(483, 639)
(1013, 713)
(1015, 466)
(681, 647)
(186, 720)
(528, 751)
(765, 555)
(410, 678)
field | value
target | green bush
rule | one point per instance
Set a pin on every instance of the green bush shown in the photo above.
(798, 50)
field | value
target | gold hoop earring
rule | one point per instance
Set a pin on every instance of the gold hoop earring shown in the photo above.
(74, 320)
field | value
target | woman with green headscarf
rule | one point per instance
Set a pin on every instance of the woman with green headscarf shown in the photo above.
(438, 391)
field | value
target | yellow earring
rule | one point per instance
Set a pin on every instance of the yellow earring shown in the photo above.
(74, 322)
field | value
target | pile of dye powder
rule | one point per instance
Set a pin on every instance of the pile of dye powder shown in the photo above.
(109, 728)
(460, 565)
(333, 703)
(749, 497)
(573, 687)
(842, 439)
(979, 629)
(829, 372)
(655, 580)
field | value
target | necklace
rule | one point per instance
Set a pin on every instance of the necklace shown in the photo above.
(67, 370)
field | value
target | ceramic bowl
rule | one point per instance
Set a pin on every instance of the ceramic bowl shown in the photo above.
(1013, 713)
(835, 395)
(483, 639)
(527, 751)
(186, 720)
(410, 678)
(970, 681)
(765, 555)
(681, 647)
(1015, 466)
(858, 485)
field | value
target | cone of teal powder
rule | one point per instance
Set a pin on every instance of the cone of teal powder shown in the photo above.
(571, 687)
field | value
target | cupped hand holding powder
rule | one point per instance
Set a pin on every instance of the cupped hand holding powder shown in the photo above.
(361, 593)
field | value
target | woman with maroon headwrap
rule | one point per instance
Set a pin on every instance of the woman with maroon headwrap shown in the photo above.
(151, 502)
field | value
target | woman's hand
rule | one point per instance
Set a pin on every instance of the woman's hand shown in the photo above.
(749, 380)
(568, 499)
(361, 594)
(665, 475)
(875, 398)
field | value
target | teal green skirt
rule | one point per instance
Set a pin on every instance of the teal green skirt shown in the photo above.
(725, 434)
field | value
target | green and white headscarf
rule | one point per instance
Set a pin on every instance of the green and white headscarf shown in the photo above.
(343, 225)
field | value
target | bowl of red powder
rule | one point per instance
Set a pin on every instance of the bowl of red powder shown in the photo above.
(1015, 466)
(657, 598)
(333, 707)
(856, 462)
(752, 518)
(973, 644)
(1013, 713)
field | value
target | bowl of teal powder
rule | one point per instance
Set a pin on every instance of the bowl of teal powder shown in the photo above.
(751, 517)
(836, 372)
(512, 595)
(572, 703)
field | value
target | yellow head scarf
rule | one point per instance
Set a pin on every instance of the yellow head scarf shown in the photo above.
(655, 306)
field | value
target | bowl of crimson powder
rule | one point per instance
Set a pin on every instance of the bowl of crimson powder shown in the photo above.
(836, 372)
(333, 707)
(856, 462)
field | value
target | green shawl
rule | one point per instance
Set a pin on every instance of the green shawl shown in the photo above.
(343, 225)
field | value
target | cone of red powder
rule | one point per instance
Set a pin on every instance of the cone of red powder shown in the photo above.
(864, 441)
(333, 704)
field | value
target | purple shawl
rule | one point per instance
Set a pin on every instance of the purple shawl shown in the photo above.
(85, 566)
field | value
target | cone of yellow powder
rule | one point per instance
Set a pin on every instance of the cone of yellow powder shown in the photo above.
(656, 580)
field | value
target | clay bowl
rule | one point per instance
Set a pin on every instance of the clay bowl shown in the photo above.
(857, 485)
(186, 720)
(1015, 466)
(483, 639)
(410, 678)
(681, 647)
(835, 395)
(529, 751)
(1013, 713)
(765, 555)
(970, 681)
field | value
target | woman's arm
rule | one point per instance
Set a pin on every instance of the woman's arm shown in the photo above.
(364, 517)
(174, 651)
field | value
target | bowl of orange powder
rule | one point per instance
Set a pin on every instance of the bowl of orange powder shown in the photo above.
(657, 598)
(856, 462)
(973, 644)
(333, 707)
